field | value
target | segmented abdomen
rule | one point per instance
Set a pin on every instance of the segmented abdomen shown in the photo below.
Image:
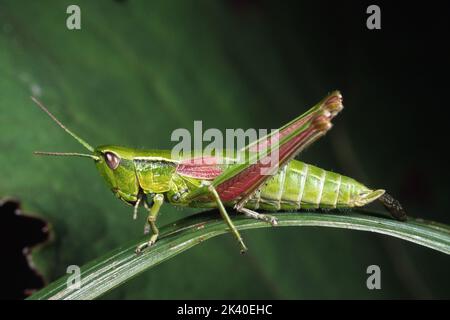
(302, 186)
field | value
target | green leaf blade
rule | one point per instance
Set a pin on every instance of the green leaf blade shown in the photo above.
(122, 264)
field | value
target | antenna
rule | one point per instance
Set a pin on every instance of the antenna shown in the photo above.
(81, 141)
(70, 154)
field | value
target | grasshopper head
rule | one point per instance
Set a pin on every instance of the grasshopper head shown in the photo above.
(114, 163)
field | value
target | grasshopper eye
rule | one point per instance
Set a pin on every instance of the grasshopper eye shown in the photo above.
(112, 160)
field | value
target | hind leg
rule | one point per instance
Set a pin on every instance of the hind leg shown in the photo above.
(255, 215)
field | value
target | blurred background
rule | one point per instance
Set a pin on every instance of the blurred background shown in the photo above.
(137, 70)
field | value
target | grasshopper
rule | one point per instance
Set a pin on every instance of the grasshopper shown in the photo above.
(149, 178)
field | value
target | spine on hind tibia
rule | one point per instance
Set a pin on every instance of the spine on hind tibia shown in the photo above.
(302, 186)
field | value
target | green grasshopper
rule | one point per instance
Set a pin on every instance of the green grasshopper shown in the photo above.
(148, 178)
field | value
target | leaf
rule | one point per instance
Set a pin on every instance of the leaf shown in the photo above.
(118, 266)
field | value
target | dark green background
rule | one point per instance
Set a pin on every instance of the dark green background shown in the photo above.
(137, 70)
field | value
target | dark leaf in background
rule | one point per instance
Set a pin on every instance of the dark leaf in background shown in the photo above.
(18, 235)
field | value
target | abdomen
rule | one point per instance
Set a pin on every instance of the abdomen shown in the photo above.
(302, 186)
